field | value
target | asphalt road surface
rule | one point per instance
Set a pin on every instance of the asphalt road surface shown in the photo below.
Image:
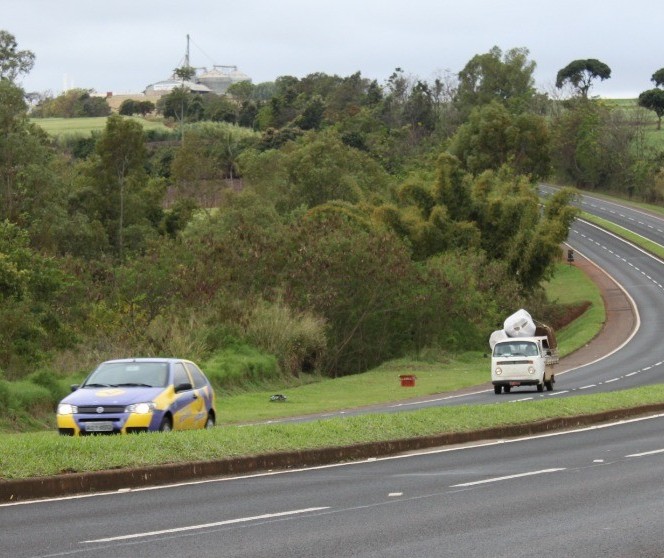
(594, 492)
(640, 362)
(597, 492)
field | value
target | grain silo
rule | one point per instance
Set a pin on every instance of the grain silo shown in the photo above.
(220, 78)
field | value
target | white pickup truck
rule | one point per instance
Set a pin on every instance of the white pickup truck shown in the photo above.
(523, 361)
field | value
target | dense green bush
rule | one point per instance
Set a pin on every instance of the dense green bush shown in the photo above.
(241, 366)
(296, 338)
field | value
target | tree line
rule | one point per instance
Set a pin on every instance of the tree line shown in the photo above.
(331, 222)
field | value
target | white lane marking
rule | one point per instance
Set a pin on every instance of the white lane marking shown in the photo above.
(438, 399)
(204, 525)
(588, 387)
(394, 494)
(558, 392)
(653, 452)
(631, 374)
(508, 477)
(637, 325)
(611, 380)
(435, 451)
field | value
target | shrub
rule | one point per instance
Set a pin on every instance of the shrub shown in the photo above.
(28, 396)
(239, 365)
(4, 394)
(296, 338)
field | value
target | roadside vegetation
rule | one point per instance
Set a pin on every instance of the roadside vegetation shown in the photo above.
(46, 453)
(296, 233)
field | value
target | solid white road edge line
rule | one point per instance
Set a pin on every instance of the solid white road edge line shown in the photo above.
(508, 477)
(653, 452)
(204, 525)
(408, 455)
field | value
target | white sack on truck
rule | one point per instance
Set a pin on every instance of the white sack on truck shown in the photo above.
(498, 335)
(520, 324)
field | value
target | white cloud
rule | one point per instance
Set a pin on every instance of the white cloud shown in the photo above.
(127, 44)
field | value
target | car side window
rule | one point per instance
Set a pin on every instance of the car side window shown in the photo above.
(180, 375)
(197, 375)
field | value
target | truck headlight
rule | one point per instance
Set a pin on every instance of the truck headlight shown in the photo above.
(531, 370)
(499, 371)
(67, 409)
(140, 408)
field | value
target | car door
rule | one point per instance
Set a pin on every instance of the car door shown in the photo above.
(187, 402)
(200, 406)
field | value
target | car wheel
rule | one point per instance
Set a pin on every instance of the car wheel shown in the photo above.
(507, 389)
(209, 423)
(497, 390)
(166, 425)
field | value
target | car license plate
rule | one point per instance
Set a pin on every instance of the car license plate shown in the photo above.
(99, 426)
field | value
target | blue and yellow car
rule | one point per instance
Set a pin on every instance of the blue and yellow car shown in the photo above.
(138, 395)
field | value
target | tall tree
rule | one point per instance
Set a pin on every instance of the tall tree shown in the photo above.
(581, 74)
(658, 78)
(494, 76)
(122, 154)
(653, 99)
(13, 62)
(493, 137)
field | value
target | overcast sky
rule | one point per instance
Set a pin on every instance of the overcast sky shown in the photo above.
(125, 45)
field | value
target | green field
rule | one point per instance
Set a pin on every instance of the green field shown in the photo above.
(635, 114)
(58, 127)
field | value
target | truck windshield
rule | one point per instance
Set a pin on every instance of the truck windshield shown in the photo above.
(515, 348)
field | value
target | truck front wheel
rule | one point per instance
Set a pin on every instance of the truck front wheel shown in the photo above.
(497, 389)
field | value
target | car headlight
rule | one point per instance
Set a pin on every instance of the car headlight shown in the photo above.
(67, 409)
(140, 408)
(531, 370)
(499, 371)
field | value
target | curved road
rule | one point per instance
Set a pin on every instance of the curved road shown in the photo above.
(639, 362)
(594, 492)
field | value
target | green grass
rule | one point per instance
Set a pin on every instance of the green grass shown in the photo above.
(46, 453)
(380, 385)
(649, 246)
(571, 286)
(85, 126)
(630, 107)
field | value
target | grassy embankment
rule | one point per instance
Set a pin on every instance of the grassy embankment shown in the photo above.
(83, 127)
(46, 453)
(637, 115)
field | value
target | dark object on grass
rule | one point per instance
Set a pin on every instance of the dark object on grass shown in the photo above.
(278, 397)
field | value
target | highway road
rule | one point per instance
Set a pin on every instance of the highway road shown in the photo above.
(641, 275)
(592, 492)
(595, 492)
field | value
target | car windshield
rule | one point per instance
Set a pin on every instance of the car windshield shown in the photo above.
(516, 348)
(129, 374)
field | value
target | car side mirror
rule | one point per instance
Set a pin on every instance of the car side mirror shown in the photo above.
(186, 386)
(74, 387)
